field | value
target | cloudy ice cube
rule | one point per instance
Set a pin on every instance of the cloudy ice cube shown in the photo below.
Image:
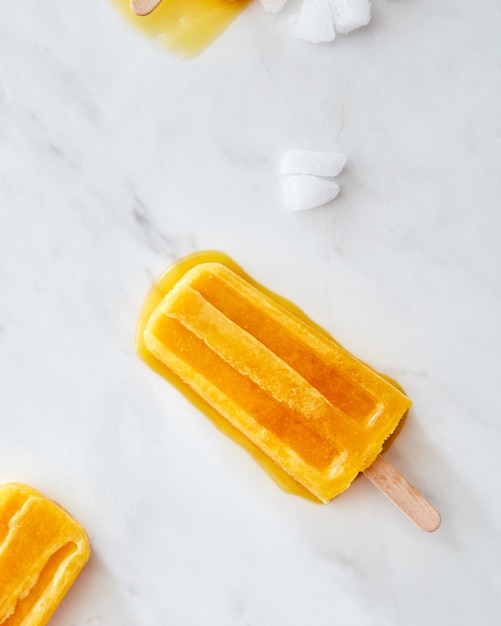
(315, 22)
(302, 192)
(313, 162)
(350, 14)
(273, 6)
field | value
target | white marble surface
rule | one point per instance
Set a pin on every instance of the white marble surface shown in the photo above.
(117, 158)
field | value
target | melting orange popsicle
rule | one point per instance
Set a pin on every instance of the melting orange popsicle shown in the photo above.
(184, 26)
(42, 551)
(301, 403)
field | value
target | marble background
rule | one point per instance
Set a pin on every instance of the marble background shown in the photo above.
(116, 158)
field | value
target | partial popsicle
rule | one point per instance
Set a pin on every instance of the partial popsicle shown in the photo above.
(42, 551)
(184, 27)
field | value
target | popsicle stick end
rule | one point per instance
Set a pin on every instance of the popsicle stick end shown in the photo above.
(143, 7)
(403, 495)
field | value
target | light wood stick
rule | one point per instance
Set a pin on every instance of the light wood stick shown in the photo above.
(144, 7)
(406, 497)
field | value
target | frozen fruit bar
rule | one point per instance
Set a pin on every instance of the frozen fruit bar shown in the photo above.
(185, 27)
(316, 411)
(42, 551)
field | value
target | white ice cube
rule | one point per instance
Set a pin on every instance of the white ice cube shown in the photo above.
(302, 192)
(273, 6)
(350, 14)
(315, 22)
(313, 162)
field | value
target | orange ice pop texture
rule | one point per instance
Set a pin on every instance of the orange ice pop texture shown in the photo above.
(42, 551)
(315, 410)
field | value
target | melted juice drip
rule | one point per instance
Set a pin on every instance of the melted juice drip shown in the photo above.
(185, 26)
(156, 294)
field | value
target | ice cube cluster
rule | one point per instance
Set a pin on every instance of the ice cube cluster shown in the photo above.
(309, 178)
(319, 20)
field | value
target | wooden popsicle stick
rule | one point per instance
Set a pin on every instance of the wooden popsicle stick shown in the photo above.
(144, 7)
(406, 497)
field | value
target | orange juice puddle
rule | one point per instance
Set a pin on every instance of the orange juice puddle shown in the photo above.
(186, 27)
(154, 297)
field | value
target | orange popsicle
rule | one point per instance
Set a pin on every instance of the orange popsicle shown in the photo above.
(42, 551)
(311, 412)
(185, 27)
(313, 408)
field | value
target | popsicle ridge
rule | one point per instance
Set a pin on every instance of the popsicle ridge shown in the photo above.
(317, 411)
(302, 347)
(236, 396)
(245, 353)
(42, 550)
